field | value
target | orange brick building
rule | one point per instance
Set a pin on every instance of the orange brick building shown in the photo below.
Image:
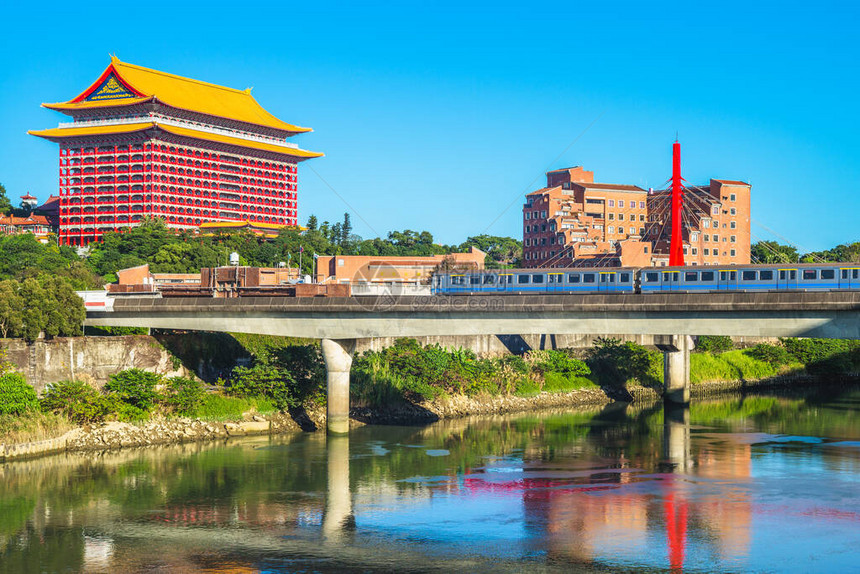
(382, 269)
(574, 221)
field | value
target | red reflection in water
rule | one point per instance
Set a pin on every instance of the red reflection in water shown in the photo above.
(676, 530)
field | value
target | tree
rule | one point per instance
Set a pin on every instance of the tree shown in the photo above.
(11, 309)
(5, 204)
(773, 252)
(312, 223)
(345, 230)
(499, 250)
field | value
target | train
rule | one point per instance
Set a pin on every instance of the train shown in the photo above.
(688, 279)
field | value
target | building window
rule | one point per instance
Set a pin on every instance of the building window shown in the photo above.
(716, 238)
(543, 214)
(707, 251)
(733, 252)
(734, 238)
(706, 237)
(641, 205)
(732, 197)
(642, 217)
(695, 250)
(694, 236)
(620, 203)
(611, 217)
(716, 210)
(632, 231)
(610, 229)
(733, 211)
(620, 217)
(528, 215)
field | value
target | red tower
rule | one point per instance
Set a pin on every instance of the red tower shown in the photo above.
(676, 247)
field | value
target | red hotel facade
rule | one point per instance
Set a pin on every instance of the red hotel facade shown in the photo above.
(144, 143)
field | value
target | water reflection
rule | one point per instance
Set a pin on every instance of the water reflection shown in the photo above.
(724, 485)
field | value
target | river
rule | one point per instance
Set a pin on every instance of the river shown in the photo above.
(756, 483)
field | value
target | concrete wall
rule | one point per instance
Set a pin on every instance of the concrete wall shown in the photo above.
(90, 359)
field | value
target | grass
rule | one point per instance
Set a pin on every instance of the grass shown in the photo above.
(558, 383)
(733, 366)
(217, 407)
(32, 427)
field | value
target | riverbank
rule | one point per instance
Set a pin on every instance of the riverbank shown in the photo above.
(118, 435)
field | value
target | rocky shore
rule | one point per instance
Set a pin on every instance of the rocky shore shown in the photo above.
(116, 435)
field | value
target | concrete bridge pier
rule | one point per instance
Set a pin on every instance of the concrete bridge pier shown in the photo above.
(337, 518)
(676, 366)
(337, 354)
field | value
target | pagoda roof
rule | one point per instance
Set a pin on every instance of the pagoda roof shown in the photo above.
(59, 134)
(123, 84)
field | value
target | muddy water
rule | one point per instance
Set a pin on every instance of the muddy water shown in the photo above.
(759, 483)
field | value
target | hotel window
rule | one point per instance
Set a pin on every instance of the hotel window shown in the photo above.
(611, 217)
(706, 238)
(733, 211)
(641, 205)
(632, 231)
(732, 197)
(620, 217)
(641, 231)
(620, 203)
(610, 229)
(611, 203)
(734, 238)
(716, 210)
(694, 236)
(732, 225)
(707, 251)
(716, 238)
(695, 250)
(733, 254)
(641, 217)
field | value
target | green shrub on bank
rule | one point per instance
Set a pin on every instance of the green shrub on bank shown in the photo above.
(774, 355)
(77, 401)
(263, 380)
(714, 343)
(135, 387)
(16, 396)
(729, 366)
(182, 395)
(812, 351)
(560, 383)
(614, 363)
(215, 406)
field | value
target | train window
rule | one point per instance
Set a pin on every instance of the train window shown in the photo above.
(607, 278)
(475, 280)
(856, 274)
(810, 274)
(707, 275)
(845, 274)
(522, 279)
(506, 279)
(588, 277)
(748, 275)
(556, 278)
(828, 274)
(652, 277)
(458, 280)
(691, 276)
(624, 278)
(573, 278)
(765, 275)
(489, 279)
(667, 277)
(537, 278)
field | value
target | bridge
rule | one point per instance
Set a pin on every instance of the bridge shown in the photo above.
(671, 318)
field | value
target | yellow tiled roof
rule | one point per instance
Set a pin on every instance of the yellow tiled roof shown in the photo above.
(61, 133)
(184, 93)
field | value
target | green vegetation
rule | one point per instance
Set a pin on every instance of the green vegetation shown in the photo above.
(47, 305)
(172, 251)
(714, 344)
(16, 396)
(614, 363)
(773, 252)
(409, 371)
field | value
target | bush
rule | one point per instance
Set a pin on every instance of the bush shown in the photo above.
(182, 395)
(559, 383)
(714, 344)
(774, 355)
(219, 407)
(135, 387)
(76, 400)
(614, 363)
(553, 361)
(263, 380)
(16, 396)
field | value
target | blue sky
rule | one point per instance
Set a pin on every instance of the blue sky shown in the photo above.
(441, 116)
